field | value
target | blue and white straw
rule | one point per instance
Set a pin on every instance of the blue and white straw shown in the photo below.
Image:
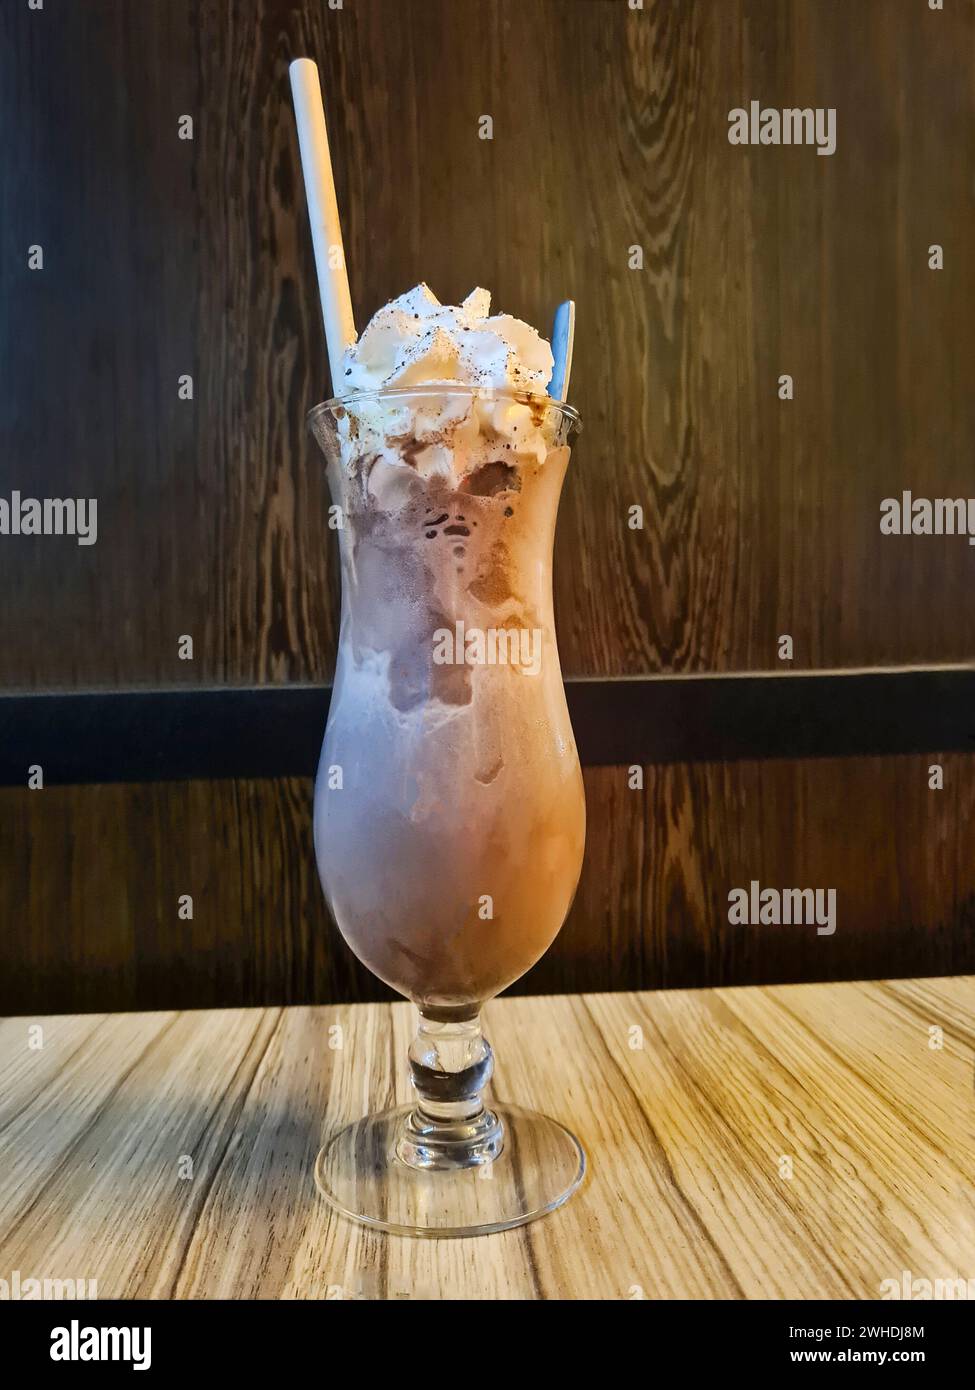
(563, 333)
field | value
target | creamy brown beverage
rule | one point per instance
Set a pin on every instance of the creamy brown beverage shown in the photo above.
(449, 809)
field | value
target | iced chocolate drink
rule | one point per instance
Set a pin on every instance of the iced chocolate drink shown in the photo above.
(449, 809)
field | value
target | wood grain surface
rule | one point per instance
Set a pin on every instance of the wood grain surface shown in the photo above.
(93, 876)
(165, 256)
(801, 1142)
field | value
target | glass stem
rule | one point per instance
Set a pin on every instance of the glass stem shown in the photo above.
(449, 1127)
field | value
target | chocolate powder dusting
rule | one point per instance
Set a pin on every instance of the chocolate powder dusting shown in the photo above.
(492, 583)
(490, 479)
(408, 451)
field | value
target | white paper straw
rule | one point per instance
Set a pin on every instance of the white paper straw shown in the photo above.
(323, 213)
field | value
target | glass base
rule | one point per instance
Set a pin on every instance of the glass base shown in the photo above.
(374, 1171)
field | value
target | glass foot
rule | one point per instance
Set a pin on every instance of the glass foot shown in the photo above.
(379, 1172)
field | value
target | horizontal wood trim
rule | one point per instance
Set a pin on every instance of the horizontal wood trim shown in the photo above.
(276, 731)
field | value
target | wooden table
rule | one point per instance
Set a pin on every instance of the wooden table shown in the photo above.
(802, 1141)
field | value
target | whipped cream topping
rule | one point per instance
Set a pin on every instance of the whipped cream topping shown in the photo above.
(416, 344)
(415, 340)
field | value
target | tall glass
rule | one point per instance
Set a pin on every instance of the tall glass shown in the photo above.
(449, 806)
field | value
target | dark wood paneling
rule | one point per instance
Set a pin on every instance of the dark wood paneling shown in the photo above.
(92, 876)
(164, 256)
(91, 347)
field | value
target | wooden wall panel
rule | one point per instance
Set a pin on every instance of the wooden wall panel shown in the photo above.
(163, 257)
(610, 131)
(91, 346)
(88, 896)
